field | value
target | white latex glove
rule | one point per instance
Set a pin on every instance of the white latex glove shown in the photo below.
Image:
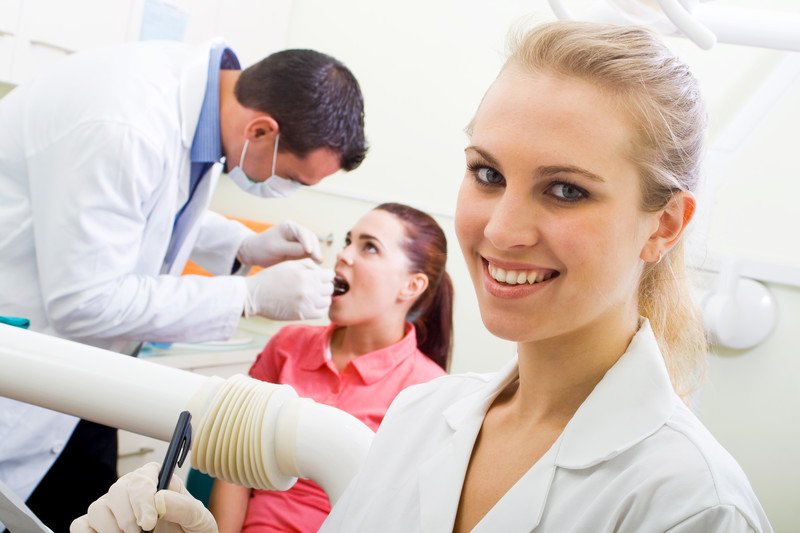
(287, 240)
(132, 505)
(292, 290)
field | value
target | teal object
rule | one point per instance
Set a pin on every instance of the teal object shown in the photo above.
(16, 321)
(199, 485)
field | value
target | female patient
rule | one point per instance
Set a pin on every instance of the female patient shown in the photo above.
(390, 329)
(581, 160)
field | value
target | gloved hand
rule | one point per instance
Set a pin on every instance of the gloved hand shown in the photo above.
(287, 240)
(292, 290)
(133, 505)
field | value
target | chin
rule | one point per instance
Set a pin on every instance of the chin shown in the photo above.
(511, 329)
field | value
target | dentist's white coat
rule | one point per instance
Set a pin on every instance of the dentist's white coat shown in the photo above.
(632, 459)
(94, 165)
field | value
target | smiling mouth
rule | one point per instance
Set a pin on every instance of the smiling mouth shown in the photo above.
(340, 286)
(520, 277)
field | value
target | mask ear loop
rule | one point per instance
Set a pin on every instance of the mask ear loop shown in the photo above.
(275, 154)
(660, 257)
(244, 151)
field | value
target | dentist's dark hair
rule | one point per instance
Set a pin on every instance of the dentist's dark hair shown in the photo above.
(315, 99)
(425, 247)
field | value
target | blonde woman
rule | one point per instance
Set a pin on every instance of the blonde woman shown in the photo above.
(581, 162)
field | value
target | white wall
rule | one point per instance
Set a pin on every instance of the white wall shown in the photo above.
(424, 66)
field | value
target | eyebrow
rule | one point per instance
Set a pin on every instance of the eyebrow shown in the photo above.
(364, 237)
(571, 169)
(546, 170)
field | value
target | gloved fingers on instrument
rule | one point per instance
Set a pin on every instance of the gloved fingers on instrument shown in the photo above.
(176, 485)
(184, 510)
(122, 499)
(141, 488)
(308, 239)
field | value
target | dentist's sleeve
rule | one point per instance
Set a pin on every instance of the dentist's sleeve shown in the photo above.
(95, 193)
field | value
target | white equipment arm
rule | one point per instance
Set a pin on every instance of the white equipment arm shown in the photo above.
(246, 431)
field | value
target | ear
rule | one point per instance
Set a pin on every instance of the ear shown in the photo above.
(672, 221)
(262, 127)
(414, 287)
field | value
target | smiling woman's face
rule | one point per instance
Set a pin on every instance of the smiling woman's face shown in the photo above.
(548, 214)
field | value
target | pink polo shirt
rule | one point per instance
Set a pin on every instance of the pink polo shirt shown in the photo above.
(300, 356)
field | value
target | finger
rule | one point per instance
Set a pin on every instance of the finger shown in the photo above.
(100, 517)
(309, 240)
(327, 275)
(141, 490)
(81, 525)
(176, 485)
(119, 503)
(184, 510)
(293, 250)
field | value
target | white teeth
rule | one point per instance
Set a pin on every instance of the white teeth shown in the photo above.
(518, 277)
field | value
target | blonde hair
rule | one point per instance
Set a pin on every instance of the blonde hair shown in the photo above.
(663, 100)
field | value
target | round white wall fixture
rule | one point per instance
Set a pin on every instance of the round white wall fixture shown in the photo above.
(742, 315)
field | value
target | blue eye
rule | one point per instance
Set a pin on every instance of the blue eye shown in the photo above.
(567, 192)
(485, 176)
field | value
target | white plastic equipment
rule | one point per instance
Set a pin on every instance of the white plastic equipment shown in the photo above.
(248, 432)
(704, 22)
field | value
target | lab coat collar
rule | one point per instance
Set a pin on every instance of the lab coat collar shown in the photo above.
(632, 401)
(194, 79)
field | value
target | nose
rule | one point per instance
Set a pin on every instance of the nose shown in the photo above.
(345, 255)
(513, 221)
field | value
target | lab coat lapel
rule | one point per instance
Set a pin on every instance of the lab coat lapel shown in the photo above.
(194, 78)
(442, 476)
(521, 508)
(184, 234)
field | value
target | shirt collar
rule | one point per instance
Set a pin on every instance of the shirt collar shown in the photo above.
(207, 141)
(631, 402)
(371, 366)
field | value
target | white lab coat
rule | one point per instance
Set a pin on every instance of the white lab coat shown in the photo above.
(94, 165)
(632, 459)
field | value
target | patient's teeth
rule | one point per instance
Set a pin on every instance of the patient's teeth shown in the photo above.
(511, 277)
(521, 277)
(532, 277)
(500, 275)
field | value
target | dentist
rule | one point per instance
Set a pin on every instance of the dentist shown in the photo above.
(107, 166)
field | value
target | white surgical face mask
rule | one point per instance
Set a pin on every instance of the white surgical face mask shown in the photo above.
(273, 187)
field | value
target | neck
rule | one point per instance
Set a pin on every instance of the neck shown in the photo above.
(557, 374)
(350, 342)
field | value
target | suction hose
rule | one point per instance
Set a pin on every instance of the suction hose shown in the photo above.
(248, 432)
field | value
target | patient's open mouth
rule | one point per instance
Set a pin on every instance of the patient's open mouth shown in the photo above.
(340, 286)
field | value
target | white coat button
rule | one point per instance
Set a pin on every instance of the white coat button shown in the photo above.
(57, 447)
